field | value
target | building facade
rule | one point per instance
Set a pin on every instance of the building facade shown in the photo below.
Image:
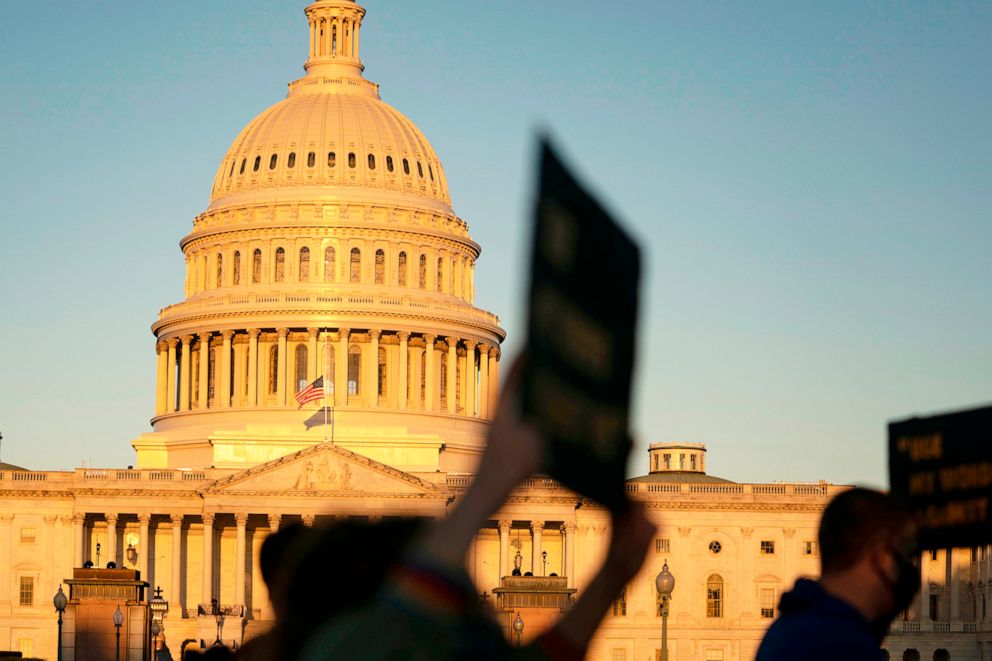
(330, 250)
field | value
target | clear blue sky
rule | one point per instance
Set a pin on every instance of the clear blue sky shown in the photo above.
(812, 184)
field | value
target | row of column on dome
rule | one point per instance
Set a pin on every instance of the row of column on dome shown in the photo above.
(372, 368)
(444, 272)
(211, 555)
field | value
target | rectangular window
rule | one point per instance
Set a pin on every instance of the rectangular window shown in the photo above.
(668, 461)
(27, 591)
(974, 554)
(26, 647)
(934, 611)
(713, 655)
(692, 461)
(767, 600)
(619, 654)
(620, 604)
(809, 548)
(933, 554)
(767, 547)
(662, 545)
(27, 535)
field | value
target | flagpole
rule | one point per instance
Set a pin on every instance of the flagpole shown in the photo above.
(325, 385)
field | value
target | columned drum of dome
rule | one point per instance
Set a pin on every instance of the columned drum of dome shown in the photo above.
(329, 249)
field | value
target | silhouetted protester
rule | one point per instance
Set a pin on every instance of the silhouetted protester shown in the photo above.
(427, 608)
(867, 543)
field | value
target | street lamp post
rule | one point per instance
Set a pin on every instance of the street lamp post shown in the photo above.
(156, 629)
(665, 583)
(158, 607)
(118, 621)
(518, 627)
(544, 560)
(60, 601)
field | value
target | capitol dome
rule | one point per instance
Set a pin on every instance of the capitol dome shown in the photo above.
(329, 258)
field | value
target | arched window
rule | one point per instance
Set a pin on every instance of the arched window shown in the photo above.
(389, 163)
(420, 170)
(258, 161)
(231, 173)
(356, 265)
(237, 267)
(291, 161)
(354, 370)
(911, 655)
(220, 270)
(440, 273)
(280, 274)
(330, 264)
(304, 265)
(941, 655)
(380, 267)
(620, 604)
(401, 268)
(329, 368)
(311, 159)
(430, 171)
(422, 276)
(714, 596)
(406, 166)
(371, 161)
(244, 161)
(301, 367)
(273, 368)
(332, 159)
(272, 161)
(351, 159)
(256, 267)
(383, 384)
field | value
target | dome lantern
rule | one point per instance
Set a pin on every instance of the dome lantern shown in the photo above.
(335, 27)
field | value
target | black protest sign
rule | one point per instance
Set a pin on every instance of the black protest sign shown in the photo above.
(582, 318)
(941, 466)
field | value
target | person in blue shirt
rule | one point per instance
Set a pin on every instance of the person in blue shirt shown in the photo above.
(867, 543)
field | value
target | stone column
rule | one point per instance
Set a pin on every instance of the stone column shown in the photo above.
(401, 377)
(241, 519)
(281, 359)
(223, 389)
(493, 381)
(504, 547)
(569, 529)
(184, 375)
(78, 519)
(170, 376)
(208, 558)
(536, 528)
(452, 375)
(470, 378)
(161, 377)
(274, 520)
(746, 560)
(6, 548)
(372, 372)
(112, 538)
(204, 370)
(253, 366)
(312, 357)
(144, 519)
(175, 591)
(239, 364)
(484, 380)
(341, 368)
(416, 378)
(430, 387)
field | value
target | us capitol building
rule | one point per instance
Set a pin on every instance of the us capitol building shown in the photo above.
(330, 248)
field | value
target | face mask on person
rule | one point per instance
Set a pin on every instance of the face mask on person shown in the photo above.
(903, 588)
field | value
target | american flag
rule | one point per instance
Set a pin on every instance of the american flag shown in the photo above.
(312, 392)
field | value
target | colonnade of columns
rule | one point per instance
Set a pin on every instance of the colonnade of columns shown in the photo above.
(370, 368)
(537, 528)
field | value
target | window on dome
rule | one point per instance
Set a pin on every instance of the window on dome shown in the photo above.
(280, 270)
(440, 273)
(389, 163)
(304, 265)
(237, 267)
(383, 384)
(422, 280)
(273, 368)
(301, 367)
(220, 270)
(311, 159)
(371, 161)
(401, 264)
(244, 161)
(258, 161)
(332, 159)
(354, 370)
(420, 170)
(272, 161)
(351, 159)
(256, 267)
(714, 596)
(430, 171)
(233, 163)
(380, 267)
(356, 265)
(406, 166)
(330, 264)
(291, 161)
